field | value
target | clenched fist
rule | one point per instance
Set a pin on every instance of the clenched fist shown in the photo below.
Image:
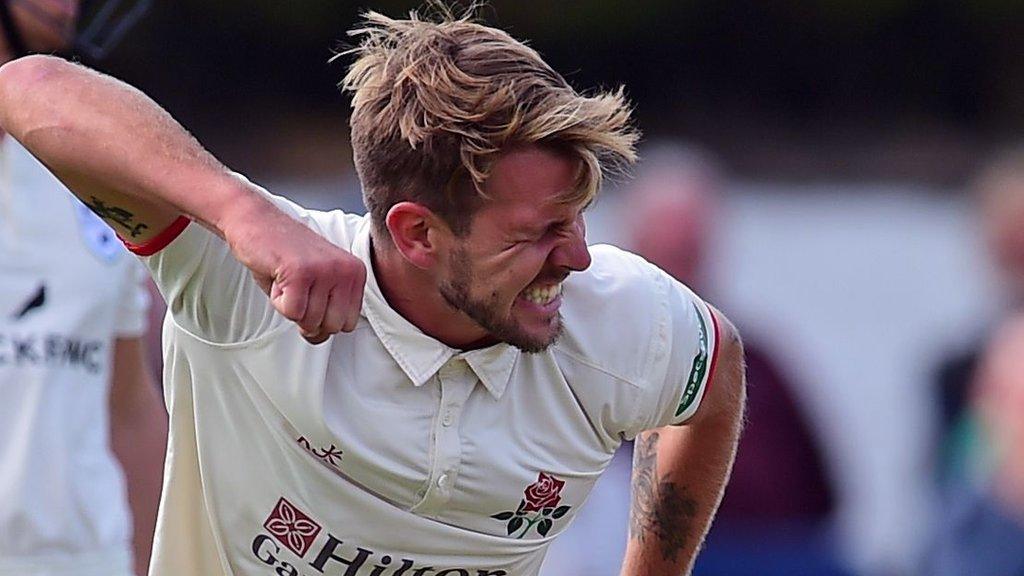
(309, 280)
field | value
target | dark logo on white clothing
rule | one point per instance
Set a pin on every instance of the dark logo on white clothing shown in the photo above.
(298, 533)
(23, 348)
(331, 455)
(291, 527)
(36, 301)
(52, 351)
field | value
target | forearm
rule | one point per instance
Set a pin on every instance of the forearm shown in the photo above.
(680, 472)
(140, 449)
(138, 437)
(115, 148)
(679, 476)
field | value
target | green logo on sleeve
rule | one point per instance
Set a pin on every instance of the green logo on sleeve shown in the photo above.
(700, 365)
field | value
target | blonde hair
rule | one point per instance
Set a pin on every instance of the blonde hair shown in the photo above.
(435, 102)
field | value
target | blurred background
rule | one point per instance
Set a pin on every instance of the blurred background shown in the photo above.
(832, 175)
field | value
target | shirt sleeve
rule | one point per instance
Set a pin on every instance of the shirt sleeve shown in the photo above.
(208, 292)
(680, 383)
(133, 306)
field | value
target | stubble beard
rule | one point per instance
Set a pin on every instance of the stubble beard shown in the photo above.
(456, 292)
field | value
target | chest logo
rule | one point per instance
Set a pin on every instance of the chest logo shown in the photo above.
(539, 507)
(330, 456)
(292, 528)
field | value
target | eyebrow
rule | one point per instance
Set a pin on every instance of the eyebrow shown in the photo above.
(534, 229)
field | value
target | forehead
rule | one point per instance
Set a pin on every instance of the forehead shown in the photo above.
(531, 183)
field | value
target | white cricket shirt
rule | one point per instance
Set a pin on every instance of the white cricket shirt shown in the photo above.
(68, 289)
(384, 452)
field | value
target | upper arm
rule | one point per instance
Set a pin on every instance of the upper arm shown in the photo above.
(69, 117)
(700, 372)
(112, 146)
(133, 387)
(726, 389)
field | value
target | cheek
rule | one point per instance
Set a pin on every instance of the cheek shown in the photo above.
(515, 269)
(530, 265)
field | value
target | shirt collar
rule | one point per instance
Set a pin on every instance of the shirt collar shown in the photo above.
(419, 355)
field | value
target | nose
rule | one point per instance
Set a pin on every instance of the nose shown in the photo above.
(572, 252)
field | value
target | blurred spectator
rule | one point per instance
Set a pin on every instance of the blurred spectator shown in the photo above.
(82, 427)
(981, 391)
(982, 528)
(999, 190)
(776, 513)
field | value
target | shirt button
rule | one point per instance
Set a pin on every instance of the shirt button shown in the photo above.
(448, 417)
(442, 481)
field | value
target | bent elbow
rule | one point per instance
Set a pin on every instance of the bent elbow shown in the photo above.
(27, 70)
(23, 83)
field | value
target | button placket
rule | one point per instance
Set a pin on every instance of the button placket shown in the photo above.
(456, 382)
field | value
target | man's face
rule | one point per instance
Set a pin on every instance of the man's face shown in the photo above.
(1002, 213)
(506, 274)
(45, 25)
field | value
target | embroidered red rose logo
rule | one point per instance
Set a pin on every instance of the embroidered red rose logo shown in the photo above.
(542, 498)
(544, 493)
(291, 527)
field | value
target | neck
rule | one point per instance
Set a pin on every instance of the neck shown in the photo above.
(413, 293)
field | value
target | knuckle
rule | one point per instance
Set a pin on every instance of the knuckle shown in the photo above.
(289, 312)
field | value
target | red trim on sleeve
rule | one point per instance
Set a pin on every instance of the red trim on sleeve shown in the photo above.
(160, 241)
(714, 355)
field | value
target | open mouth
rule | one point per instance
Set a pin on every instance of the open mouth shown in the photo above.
(542, 295)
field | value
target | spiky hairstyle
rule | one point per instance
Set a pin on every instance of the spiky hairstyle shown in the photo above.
(435, 102)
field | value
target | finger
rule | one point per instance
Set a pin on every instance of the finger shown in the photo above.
(336, 314)
(353, 306)
(315, 307)
(316, 339)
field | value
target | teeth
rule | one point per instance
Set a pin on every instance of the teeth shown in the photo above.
(542, 295)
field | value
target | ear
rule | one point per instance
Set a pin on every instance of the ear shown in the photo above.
(416, 232)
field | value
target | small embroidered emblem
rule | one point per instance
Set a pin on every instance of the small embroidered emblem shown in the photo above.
(327, 455)
(291, 527)
(539, 507)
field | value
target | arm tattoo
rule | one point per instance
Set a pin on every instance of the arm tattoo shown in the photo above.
(645, 469)
(661, 509)
(117, 215)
